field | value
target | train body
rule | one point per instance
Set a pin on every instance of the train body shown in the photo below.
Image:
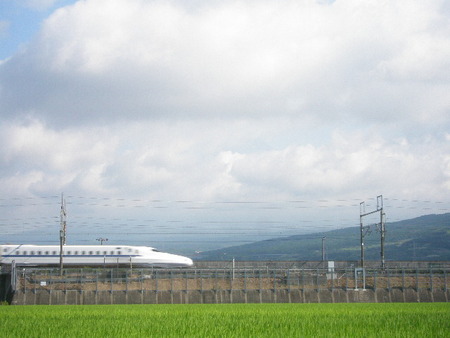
(89, 255)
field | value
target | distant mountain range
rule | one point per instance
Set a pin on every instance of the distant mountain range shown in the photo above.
(425, 238)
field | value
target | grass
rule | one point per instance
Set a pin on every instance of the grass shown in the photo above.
(228, 320)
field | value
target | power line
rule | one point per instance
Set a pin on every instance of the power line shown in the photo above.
(130, 202)
(252, 222)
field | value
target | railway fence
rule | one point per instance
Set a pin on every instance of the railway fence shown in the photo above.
(231, 284)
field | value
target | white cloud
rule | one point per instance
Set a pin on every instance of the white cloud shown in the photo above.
(48, 160)
(195, 161)
(349, 166)
(97, 59)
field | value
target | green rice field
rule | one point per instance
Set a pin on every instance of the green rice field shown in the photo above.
(228, 320)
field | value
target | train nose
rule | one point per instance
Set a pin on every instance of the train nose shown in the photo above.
(181, 261)
(187, 262)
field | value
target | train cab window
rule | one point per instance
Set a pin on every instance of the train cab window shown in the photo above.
(155, 250)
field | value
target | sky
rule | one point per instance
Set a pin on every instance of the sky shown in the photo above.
(210, 123)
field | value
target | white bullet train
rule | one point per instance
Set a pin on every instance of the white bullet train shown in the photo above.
(90, 255)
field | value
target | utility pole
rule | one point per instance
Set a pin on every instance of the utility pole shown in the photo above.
(62, 232)
(364, 230)
(323, 248)
(382, 229)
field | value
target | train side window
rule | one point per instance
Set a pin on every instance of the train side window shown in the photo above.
(46, 252)
(105, 252)
(39, 252)
(76, 252)
(24, 252)
(17, 252)
(97, 253)
(54, 252)
(112, 252)
(91, 252)
(32, 253)
(69, 252)
(4, 250)
(119, 252)
(83, 252)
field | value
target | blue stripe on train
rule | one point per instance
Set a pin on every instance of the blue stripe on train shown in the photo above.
(50, 256)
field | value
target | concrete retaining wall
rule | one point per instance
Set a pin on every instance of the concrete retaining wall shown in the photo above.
(66, 297)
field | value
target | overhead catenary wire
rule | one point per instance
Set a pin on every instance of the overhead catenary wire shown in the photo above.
(71, 199)
(221, 219)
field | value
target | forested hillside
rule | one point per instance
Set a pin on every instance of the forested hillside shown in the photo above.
(424, 238)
